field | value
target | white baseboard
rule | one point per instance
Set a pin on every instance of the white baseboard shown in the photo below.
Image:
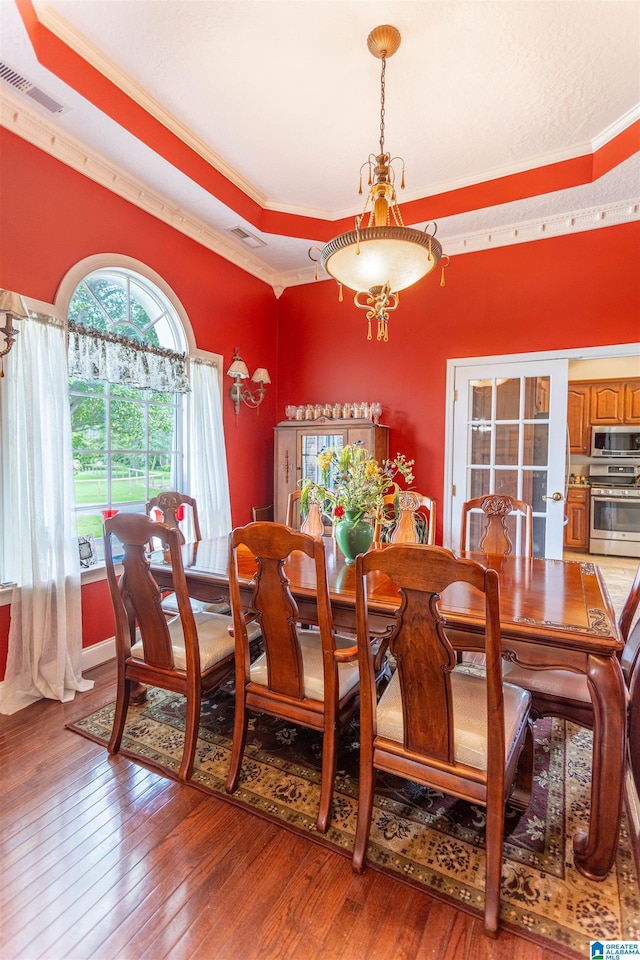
(98, 653)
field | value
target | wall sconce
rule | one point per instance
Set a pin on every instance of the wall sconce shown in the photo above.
(11, 308)
(238, 370)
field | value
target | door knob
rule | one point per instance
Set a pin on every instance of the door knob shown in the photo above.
(554, 496)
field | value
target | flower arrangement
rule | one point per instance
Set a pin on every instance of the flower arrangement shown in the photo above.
(353, 481)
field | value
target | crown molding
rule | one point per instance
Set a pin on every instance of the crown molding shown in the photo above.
(44, 134)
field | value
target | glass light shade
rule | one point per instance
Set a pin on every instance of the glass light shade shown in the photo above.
(238, 369)
(261, 376)
(399, 256)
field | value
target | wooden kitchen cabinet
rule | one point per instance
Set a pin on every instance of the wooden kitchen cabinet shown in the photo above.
(578, 413)
(298, 442)
(632, 402)
(576, 532)
(596, 403)
(607, 402)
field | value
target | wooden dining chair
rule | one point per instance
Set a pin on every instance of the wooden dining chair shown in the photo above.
(314, 523)
(464, 735)
(410, 516)
(171, 506)
(293, 510)
(492, 534)
(308, 677)
(561, 693)
(262, 513)
(191, 654)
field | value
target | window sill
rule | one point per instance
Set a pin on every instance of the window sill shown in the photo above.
(90, 575)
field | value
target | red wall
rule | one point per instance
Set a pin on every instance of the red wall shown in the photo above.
(52, 217)
(549, 295)
(576, 291)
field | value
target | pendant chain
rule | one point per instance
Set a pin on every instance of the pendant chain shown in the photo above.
(382, 78)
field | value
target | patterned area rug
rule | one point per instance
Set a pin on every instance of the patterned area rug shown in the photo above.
(418, 835)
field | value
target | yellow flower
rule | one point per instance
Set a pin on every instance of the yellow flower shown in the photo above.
(371, 469)
(324, 459)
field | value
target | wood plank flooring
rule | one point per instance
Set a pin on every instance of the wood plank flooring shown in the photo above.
(104, 859)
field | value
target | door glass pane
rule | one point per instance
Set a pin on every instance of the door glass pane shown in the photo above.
(479, 483)
(508, 399)
(536, 444)
(539, 535)
(507, 436)
(480, 451)
(481, 400)
(534, 487)
(506, 483)
(536, 397)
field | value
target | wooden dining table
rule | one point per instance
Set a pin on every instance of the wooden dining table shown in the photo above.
(554, 614)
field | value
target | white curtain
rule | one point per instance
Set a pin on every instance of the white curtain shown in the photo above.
(207, 453)
(37, 526)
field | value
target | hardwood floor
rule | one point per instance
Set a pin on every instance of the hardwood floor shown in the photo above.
(102, 859)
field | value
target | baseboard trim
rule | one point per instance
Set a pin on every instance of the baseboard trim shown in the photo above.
(98, 653)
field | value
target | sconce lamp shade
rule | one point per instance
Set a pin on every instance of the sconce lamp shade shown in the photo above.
(238, 368)
(13, 303)
(261, 376)
(11, 308)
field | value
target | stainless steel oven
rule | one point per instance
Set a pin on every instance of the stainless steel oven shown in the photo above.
(615, 509)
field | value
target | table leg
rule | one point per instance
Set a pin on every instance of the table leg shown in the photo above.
(595, 850)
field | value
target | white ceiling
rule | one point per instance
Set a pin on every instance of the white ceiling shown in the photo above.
(283, 98)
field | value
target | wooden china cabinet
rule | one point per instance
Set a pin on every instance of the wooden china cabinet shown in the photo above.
(298, 442)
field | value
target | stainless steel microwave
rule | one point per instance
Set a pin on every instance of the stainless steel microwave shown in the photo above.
(615, 442)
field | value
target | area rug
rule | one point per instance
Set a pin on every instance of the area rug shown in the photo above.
(418, 835)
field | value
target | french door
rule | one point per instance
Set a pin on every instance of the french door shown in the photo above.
(510, 437)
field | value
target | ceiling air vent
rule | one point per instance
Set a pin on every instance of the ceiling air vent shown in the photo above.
(251, 241)
(26, 88)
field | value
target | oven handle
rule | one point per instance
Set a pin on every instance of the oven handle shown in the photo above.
(600, 499)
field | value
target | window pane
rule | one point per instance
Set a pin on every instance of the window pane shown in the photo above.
(129, 478)
(90, 478)
(160, 474)
(479, 483)
(481, 401)
(536, 397)
(127, 425)
(536, 444)
(534, 487)
(539, 534)
(506, 482)
(480, 435)
(161, 427)
(508, 400)
(88, 423)
(507, 436)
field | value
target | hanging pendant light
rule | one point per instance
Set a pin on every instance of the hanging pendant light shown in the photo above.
(381, 256)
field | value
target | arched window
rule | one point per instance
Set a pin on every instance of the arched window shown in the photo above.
(128, 442)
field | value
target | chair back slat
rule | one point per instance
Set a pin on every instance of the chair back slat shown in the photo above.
(273, 604)
(136, 597)
(411, 511)
(424, 655)
(495, 538)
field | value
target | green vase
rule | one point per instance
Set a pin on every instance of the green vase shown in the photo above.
(353, 536)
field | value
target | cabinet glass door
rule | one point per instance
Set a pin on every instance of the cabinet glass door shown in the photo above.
(311, 445)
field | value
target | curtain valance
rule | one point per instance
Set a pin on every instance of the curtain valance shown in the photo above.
(94, 355)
